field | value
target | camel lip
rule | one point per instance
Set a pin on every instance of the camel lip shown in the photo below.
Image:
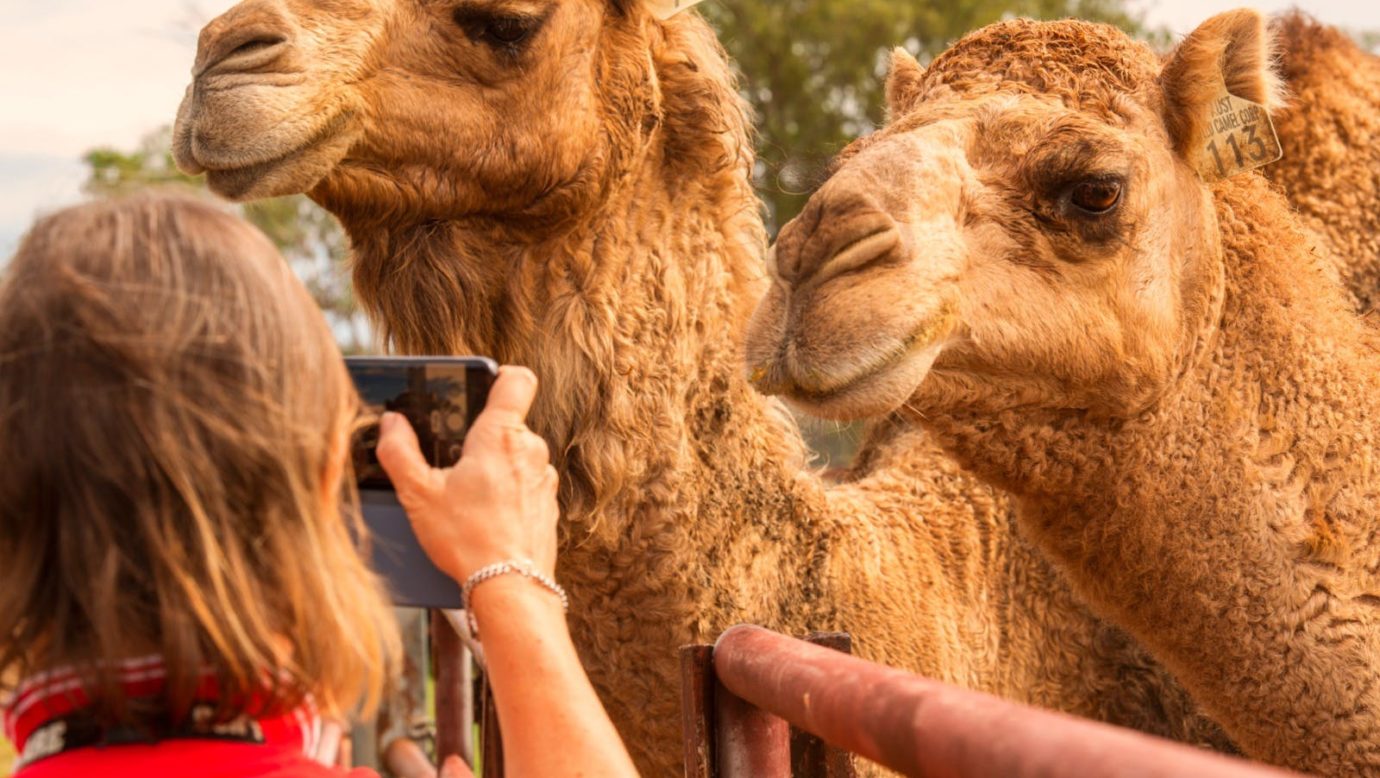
(871, 394)
(236, 181)
(329, 131)
(922, 346)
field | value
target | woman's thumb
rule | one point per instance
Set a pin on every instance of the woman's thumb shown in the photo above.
(454, 767)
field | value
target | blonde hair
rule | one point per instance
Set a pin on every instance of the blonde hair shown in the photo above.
(171, 401)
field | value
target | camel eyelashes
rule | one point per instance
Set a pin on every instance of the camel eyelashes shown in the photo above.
(500, 31)
(1095, 197)
(507, 30)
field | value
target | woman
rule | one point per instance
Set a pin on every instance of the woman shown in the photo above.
(182, 591)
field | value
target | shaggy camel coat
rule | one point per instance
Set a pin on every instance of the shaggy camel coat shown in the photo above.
(687, 506)
(1330, 133)
(1232, 527)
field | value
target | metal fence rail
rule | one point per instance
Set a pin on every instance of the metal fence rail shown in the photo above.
(909, 724)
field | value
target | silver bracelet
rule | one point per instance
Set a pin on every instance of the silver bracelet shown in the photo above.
(523, 567)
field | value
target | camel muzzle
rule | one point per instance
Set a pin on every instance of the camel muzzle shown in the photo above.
(261, 117)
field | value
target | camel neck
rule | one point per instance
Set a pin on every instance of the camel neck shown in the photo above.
(1230, 525)
(632, 318)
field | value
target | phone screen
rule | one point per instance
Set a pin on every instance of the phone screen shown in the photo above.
(439, 397)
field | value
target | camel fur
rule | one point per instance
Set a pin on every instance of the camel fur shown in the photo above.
(1162, 371)
(568, 186)
(1329, 129)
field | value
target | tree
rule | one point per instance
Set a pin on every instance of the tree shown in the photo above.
(813, 69)
(308, 236)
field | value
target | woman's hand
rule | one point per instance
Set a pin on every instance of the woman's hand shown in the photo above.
(498, 503)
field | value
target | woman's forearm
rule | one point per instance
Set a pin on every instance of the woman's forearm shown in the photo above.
(553, 722)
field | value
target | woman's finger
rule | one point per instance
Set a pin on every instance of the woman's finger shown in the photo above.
(509, 400)
(401, 457)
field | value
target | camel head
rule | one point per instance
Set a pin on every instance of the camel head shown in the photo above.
(421, 109)
(1033, 228)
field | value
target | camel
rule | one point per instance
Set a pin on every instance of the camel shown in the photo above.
(1330, 133)
(1037, 261)
(566, 185)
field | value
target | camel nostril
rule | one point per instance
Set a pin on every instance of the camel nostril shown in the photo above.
(257, 44)
(244, 52)
(858, 252)
(836, 232)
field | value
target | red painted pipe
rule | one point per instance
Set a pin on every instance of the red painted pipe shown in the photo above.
(920, 727)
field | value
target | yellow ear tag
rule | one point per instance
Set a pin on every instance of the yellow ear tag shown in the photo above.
(665, 9)
(1240, 137)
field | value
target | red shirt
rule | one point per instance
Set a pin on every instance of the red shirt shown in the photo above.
(201, 758)
(44, 720)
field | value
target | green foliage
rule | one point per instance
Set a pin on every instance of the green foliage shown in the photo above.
(309, 237)
(813, 69)
(114, 172)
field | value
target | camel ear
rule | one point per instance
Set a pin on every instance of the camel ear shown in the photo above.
(1229, 55)
(903, 82)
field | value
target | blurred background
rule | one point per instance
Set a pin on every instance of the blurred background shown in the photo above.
(88, 89)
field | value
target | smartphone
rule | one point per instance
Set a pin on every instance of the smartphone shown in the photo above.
(440, 396)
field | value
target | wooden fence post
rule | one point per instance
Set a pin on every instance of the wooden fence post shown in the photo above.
(490, 736)
(697, 710)
(448, 656)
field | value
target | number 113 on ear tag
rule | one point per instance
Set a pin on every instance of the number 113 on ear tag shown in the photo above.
(665, 9)
(1240, 137)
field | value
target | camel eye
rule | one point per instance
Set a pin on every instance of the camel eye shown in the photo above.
(507, 30)
(1096, 197)
(498, 31)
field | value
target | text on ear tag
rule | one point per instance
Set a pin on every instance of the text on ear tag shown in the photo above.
(1240, 137)
(665, 9)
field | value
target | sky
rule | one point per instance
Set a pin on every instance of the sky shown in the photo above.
(77, 74)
